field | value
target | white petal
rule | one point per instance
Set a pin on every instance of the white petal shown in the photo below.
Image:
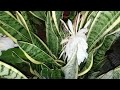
(70, 26)
(6, 43)
(87, 24)
(65, 26)
(78, 42)
(83, 43)
(69, 52)
(82, 31)
(81, 54)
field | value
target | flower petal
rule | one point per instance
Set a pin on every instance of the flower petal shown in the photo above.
(81, 54)
(70, 26)
(87, 24)
(83, 43)
(6, 43)
(83, 31)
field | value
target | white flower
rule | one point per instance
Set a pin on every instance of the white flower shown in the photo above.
(6, 43)
(77, 40)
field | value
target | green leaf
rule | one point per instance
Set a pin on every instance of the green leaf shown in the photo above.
(100, 53)
(88, 65)
(27, 66)
(7, 18)
(16, 58)
(107, 41)
(9, 72)
(57, 15)
(5, 32)
(32, 21)
(72, 15)
(112, 74)
(46, 73)
(102, 24)
(36, 69)
(93, 75)
(35, 54)
(56, 74)
(83, 18)
(91, 15)
(27, 20)
(89, 62)
(52, 39)
(24, 23)
(36, 40)
(19, 35)
(9, 57)
(39, 14)
(40, 44)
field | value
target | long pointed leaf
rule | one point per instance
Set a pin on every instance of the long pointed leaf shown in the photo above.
(112, 74)
(104, 22)
(35, 54)
(52, 39)
(11, 21)
(13, 32)
(39, 14)
(24, 24)
(89, 62)
(9, 72)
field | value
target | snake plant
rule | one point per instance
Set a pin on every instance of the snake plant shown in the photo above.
(50, 57)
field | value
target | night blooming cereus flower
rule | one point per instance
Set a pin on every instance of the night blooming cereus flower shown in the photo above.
(76, 41)
(6, 43)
